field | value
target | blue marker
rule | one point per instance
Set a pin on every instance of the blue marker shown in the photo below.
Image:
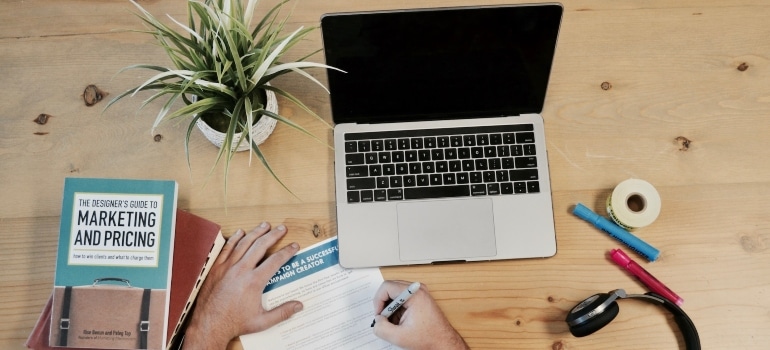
(617, 232)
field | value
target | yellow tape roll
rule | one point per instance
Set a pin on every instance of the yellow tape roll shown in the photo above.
(634, 203)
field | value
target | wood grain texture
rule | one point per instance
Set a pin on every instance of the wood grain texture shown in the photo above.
(631, 81)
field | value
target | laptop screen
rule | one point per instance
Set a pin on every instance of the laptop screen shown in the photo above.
(440, 63)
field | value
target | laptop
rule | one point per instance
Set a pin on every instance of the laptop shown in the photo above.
(439, 145)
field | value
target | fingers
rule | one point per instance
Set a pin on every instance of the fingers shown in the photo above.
(229, 246)
(387, 291)
(386, 330)
(247, 241)
(279, 314)
(266, 240)
(274, 262)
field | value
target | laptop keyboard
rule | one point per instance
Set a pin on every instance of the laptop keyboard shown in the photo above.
(440, 163)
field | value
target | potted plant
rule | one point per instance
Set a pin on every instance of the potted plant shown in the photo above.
(222, 69)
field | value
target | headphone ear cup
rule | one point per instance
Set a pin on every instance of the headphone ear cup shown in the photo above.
(597, 322)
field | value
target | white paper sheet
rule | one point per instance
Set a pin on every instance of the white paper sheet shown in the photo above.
(338, 308)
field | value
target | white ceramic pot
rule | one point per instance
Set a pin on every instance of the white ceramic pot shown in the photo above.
(260, 130)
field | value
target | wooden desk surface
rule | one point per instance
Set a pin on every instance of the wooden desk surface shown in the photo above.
(629, 79)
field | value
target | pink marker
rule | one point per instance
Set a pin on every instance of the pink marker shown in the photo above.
(620, 258)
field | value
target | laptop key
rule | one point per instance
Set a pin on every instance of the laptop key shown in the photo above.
(354, 197)
(402, 169)
(449, 179)
(493, 189)
(410, 181)
(525, 162)
(362, 183)
(378, 145)
(367, 196)
(357, 171)
(436, 192)
(533, 187)
(364, 146)
(529, 149)
(383, 157)
(478, 190)
(410, 156)
(397, 156)
(524, 174)
(442, 167)
(395, 194)
(443, 141)
(489, 176)
(519, 187)
(383, 182)
(350, 147)
(354, 159)
(435, 179)
(380, 195)
(403, 144)
(396, 181)
(525, 137)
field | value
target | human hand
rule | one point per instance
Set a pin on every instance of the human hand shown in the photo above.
(229, 303)
(418, 317)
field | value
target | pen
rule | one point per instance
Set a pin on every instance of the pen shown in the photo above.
(620, 258)
(617, 232)
(399, 300)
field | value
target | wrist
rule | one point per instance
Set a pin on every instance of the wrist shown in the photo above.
(200, 335)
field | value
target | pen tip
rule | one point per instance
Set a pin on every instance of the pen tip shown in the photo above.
(372, 323)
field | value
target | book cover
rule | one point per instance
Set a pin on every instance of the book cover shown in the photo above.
(197, 244)
(113, 267)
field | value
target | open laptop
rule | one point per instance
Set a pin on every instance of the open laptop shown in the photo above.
(439, 146)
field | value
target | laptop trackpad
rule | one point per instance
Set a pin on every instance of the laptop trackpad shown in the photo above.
(446, 230)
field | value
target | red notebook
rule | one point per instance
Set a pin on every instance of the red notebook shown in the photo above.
(197, 243)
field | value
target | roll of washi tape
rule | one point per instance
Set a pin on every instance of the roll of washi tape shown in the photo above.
(634, 203)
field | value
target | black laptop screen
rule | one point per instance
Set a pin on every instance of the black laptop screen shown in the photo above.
(440, 63)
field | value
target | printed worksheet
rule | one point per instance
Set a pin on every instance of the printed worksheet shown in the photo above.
(338, 308)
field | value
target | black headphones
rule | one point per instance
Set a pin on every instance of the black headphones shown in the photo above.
(599, 309)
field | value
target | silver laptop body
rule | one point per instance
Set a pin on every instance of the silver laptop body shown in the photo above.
(439, 145)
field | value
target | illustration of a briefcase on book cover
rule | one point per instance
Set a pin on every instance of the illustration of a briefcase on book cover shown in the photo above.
(109, 316)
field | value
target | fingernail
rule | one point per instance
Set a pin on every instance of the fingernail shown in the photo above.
(298, 307)
(295, 246)
(281, 228)
(263, 224)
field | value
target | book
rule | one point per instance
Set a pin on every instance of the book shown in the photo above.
(113, 265)
(197, 244)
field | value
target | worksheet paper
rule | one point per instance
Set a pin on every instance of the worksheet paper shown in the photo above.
(338, 307)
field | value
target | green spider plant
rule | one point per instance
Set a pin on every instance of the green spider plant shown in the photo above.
(226, 64)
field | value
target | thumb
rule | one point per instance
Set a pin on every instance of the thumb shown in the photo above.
(386, 330)
(280, 313)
